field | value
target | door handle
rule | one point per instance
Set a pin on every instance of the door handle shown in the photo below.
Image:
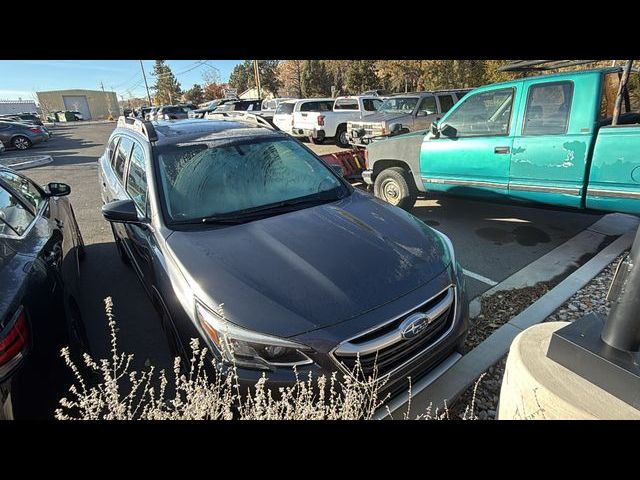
(501, 150)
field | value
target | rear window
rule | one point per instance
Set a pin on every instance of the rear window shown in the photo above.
(346, 104)
(285, 108)
(319, 106)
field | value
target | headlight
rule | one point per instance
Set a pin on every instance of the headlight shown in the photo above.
(449, 245)
(245, 348)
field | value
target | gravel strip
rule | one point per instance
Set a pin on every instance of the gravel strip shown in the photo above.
(499, 309)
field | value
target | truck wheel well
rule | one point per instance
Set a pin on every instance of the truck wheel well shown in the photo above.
(381, 165)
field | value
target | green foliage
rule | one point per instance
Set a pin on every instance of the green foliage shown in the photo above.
(243, 76)
(167, 89)
(316, 81)
(194, 95)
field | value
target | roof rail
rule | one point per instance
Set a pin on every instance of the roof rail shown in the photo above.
(242, 117)
(144, 127)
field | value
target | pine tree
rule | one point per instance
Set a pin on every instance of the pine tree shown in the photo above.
(167, 89)
(316, 81)
(194, 94)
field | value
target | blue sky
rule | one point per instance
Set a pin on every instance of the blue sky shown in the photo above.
(22, 78)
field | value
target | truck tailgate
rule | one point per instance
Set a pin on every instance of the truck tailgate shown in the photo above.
(306, 119)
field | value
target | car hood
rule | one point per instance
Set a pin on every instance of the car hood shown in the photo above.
(311, 268)
(384, 117)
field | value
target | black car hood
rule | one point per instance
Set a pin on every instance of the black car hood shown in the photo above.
(311, 268)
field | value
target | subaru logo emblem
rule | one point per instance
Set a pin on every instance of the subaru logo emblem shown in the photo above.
(414, 325)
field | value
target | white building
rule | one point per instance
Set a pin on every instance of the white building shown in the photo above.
(17, 106)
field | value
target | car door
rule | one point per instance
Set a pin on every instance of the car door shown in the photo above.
(472, 153)
(139, 239)
(426, 113)
(549, 156)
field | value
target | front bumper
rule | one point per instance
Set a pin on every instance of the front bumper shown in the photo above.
(426, 363)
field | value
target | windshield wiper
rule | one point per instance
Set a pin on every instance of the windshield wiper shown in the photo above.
(274, 208)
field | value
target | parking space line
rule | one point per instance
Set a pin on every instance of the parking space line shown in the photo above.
(479, 277)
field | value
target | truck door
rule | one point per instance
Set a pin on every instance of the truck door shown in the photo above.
(548, 160)
(472, 154)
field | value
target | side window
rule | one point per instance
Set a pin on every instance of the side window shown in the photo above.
(548, 109)
(483, 114)
(446, 102)
(111, 149)
(15, 218)
(371, 105)
(25, 188)
(427, 106)
(120, 160)
(346, 104)
(137, 179)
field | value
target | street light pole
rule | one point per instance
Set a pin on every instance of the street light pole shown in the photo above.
(145, 84)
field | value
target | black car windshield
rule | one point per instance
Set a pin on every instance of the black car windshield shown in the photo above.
(203, 181)
(399, 104)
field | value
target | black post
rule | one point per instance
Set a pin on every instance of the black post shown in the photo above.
(622, 327)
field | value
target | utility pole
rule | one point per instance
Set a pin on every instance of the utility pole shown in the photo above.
(102, 86)
(145, 83)
(257, 75)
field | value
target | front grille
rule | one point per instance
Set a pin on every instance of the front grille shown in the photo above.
(394, 350)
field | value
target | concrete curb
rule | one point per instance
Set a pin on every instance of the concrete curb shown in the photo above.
(20, 163)
(562, 257)
(462, 375)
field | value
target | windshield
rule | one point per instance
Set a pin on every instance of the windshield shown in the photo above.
(399, 104)
(201, 181)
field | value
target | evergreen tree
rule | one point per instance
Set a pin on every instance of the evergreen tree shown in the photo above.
(194, 95)
(316, 81)
(167, 89)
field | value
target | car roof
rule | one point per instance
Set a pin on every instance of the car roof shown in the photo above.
(172, 131)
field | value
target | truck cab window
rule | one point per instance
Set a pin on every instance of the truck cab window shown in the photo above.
(427, 106)
(548, 109)
(483, 114)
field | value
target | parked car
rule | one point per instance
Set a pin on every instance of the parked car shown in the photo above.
(78, 115)
(22, 136)
(283, 116)
(402, 113)
(313, 273)
(172, 112)
(269, 107)
(209, 107)
(545, 139)
(152, 114)
(40, 250)
(252, 106)
(29, 118)
(319, 125)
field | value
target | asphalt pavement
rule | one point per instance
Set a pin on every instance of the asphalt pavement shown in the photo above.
(491, 240)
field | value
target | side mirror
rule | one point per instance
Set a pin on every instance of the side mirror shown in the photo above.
(121, 211)
(448, 131)
(395, 128)
(56, 189)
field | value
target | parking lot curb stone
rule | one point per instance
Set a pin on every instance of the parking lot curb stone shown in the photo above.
(556, 261)
(19, 163)
(460, 376)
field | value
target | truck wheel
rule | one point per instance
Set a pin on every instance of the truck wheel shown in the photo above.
(342, 139)
(316, 141)
(395, 186)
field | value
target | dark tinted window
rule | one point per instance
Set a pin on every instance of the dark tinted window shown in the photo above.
(137, 178)
(320, 106)
(371, 105)
(15, 218)
(124, 148)
(446, 102)
(428, 105)
(548, 109)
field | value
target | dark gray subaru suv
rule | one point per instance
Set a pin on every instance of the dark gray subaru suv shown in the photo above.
(243, 237)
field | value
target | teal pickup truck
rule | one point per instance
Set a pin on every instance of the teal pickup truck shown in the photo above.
(547, 139)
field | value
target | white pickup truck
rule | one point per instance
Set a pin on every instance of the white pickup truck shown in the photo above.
(322, 123)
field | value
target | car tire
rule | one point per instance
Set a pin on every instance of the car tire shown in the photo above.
(121, 253)
(20, 142)
(396, 186)
(342, 139)
(316, 141)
